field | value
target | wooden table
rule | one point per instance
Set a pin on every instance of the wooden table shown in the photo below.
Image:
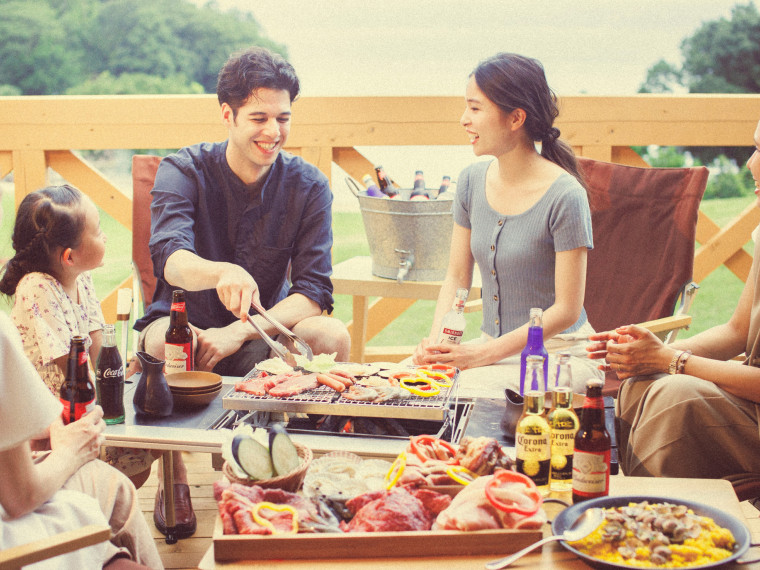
(717, 493)
(354, 277)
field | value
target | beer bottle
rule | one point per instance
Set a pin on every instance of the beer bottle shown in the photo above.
(109, 378)
(372, 188)
(443, 191)
(453, 323)
(563, 376)
(564, 425)
(535, 345)
(386, 186)
(77, 394)
(532, 440)
(178, 349)
(591, 457)
(418, 190)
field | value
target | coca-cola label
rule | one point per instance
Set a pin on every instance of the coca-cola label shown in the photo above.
(179, 357)
(112, 373)
(178, 307)
(80, 409)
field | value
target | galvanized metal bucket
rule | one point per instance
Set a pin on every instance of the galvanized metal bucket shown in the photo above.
(408, 239)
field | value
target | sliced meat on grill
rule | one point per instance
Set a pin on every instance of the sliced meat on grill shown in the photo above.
(260, 385)
(360, 394)
(294, 385)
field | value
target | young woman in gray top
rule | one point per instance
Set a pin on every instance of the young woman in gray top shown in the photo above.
(523, 217)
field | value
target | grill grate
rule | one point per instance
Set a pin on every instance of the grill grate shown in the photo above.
(324, 400)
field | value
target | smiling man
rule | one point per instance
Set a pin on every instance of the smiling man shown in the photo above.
(242, 219)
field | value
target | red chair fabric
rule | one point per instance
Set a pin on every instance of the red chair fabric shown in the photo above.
(644, 222)
(144, 169)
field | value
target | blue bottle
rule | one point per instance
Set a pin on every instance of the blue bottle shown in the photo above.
(534, 346)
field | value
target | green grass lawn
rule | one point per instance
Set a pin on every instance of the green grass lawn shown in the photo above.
(714, 303)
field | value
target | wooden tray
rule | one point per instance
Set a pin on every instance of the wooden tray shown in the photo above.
(369, 544)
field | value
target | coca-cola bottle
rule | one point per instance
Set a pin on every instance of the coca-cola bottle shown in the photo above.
(535, 345)
(178, 346)
(109, 378)
(453, 323)
(77, 394)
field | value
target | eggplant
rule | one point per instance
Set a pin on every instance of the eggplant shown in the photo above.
(252, 457)
(284, 454)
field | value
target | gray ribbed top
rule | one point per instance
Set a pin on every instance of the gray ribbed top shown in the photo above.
(516, 254)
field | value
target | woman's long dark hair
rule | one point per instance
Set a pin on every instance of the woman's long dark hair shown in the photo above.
(514, 81)
(47, 220)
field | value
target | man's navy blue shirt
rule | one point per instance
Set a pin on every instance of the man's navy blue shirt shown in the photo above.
(200, 205)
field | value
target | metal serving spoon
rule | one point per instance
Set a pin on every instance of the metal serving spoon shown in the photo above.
(584, 525)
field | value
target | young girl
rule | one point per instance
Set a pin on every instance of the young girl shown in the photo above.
(523, 217)
(58, 240)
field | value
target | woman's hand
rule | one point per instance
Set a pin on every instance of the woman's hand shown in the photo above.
(463, 356)
(79, 441)
(630, 351)
(420, 351)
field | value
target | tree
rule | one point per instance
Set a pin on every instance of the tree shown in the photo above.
(722, 56)
(33, 50)
(135, 84)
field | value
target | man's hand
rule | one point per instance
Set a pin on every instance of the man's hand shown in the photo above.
(81, 439)
(236, 288)
(215, 344)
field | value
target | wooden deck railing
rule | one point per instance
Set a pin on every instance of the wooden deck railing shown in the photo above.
(41, 132)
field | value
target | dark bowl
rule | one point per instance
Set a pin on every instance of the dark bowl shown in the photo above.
(567, 517)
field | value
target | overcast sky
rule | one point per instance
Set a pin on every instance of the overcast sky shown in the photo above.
(428, 47)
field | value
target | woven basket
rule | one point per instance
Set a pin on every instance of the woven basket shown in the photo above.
(289, 482)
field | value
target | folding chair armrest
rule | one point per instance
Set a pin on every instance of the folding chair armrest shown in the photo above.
(61, 543)
(664, 326)
(473, 306)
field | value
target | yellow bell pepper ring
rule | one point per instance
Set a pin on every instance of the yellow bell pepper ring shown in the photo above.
(440, 378)
(432, 388)
(461, 474)
(266, 523)
(395, 472)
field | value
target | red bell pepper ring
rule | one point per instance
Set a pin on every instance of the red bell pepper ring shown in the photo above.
(504, 477)
(428, 447)
(449, 371)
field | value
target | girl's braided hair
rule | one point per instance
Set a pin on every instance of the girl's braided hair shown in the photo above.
(47, 222)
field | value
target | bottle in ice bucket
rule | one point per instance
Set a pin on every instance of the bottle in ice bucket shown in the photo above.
(532, 440)
(535, 345)
(386, 186)
(109, 378)
(563, 375)
(372, 188)
(564, 425)
(591, 456)
(453, 323)
(443, 191)
(178, 348)
(77, 393)
(418, 190)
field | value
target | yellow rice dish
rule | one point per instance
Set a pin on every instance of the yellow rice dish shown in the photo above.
(660, 535)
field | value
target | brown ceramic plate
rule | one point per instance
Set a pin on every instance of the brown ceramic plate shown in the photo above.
(195, 379)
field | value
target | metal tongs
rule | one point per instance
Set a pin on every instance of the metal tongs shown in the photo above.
(303, 348)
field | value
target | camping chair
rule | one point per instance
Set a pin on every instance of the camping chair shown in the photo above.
(144, 167)
(51, 546)
(640, 270)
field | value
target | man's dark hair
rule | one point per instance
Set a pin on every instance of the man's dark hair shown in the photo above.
(250, 69)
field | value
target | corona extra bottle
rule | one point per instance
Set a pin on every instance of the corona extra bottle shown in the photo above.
(533, 437)
(564, 425)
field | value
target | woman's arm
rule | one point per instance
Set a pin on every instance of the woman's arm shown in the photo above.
(633, 351)
(24, 485)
